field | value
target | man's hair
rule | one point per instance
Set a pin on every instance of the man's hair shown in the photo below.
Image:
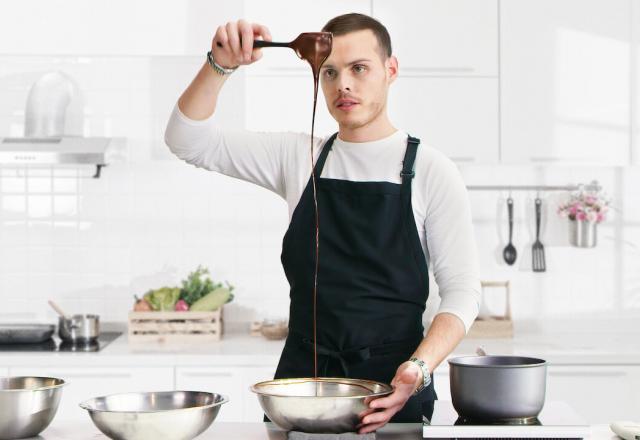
(347, 23)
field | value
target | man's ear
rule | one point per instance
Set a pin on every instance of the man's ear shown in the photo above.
(391, 65)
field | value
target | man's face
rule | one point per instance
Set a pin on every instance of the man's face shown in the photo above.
(355, 79)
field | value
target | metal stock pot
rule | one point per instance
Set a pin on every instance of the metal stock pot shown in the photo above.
(496, 388)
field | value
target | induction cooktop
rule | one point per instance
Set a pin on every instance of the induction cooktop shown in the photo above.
(556, 420)
(55, 344)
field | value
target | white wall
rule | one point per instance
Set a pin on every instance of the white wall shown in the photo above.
(91, 244)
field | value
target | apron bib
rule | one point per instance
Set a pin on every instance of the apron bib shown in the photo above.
(373, 281)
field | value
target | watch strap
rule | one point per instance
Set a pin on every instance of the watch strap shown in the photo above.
(217, 67)
(426, 375)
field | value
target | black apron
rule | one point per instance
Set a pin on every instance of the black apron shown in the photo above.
(372, 281)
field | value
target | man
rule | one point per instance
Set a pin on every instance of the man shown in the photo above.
(381, 196)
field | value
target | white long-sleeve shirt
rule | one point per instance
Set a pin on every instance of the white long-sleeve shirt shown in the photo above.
(281, 162)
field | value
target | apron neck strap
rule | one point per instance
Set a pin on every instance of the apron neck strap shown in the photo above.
(324, 153)
(407, 172)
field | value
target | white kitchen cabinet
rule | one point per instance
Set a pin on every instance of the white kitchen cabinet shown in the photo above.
(600, 394)
(635, 81)
(285, 104)
(286, 19)
(564, 67)
(116, 27)
(89, 382)
(442, 37)
(4, 372)
(252, 375)
(458, 116)
(227, 381)
(441, 382)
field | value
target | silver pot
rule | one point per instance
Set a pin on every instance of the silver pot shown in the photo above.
(79, 328)
(583, 233)
(28, 405)
(495, 388)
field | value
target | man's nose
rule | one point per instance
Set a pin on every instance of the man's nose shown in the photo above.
(344, 84)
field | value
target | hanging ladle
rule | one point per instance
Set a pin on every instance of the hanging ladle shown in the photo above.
(509, 253)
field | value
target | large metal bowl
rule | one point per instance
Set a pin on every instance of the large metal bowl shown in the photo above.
(27, 405)
(320, 405)
(497, 388)
(164, 415)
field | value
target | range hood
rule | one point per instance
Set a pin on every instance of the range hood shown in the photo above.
(46, 141)
(55, 150)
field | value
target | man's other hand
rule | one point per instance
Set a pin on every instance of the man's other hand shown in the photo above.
(407, 379)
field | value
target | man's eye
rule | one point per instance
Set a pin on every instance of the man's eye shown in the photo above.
(359, 68)
(330, 73)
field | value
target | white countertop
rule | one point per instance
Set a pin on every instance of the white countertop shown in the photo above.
(261, 431)
(241, 349)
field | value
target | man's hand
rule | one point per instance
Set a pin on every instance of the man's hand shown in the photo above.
(407, 379)
(233, 43)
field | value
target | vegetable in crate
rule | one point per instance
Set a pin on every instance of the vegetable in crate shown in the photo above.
(213, 300)
(198, 285)
(163, 299)
(141, 305)
(181, 306)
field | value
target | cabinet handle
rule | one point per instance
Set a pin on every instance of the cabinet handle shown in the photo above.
(94, 375)
(588, 373)
(443, 69)
(203, 374)
(558, 158)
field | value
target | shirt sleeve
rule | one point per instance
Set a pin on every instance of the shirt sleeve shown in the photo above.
(451, 242)
(255, 157)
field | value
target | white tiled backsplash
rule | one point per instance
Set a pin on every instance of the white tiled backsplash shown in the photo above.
(91, 244)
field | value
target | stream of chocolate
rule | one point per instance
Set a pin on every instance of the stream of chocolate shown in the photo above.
(315, 51)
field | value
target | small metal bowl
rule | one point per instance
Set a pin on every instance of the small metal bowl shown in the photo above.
(28, 404)
(320, 405)
(164, 415)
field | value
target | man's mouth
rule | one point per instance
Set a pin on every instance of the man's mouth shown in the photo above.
(346, 104)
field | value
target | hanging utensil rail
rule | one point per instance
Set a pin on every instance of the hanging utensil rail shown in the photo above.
(593, 186)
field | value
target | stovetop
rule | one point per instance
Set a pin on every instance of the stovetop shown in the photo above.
(556, 420)
(57, 345)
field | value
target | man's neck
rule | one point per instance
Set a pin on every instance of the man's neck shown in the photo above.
(373, 131)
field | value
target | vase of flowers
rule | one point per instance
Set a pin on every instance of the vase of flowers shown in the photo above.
(584, 210)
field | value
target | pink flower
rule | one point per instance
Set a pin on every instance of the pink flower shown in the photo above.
(581, 216)
(600, 217)
(573, 209)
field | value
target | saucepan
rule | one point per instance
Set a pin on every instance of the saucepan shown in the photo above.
(77, 328)
(497, 388)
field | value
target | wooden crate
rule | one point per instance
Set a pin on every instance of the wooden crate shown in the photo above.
(175, 326)
(494, 326)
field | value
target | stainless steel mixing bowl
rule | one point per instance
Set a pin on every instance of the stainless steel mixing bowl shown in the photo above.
(164, 415)
(324, 404)
(27, 405)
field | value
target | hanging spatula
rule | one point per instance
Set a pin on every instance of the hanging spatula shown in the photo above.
(537, 250)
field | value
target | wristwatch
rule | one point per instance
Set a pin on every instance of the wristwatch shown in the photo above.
(217, 67)
(426, 375)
